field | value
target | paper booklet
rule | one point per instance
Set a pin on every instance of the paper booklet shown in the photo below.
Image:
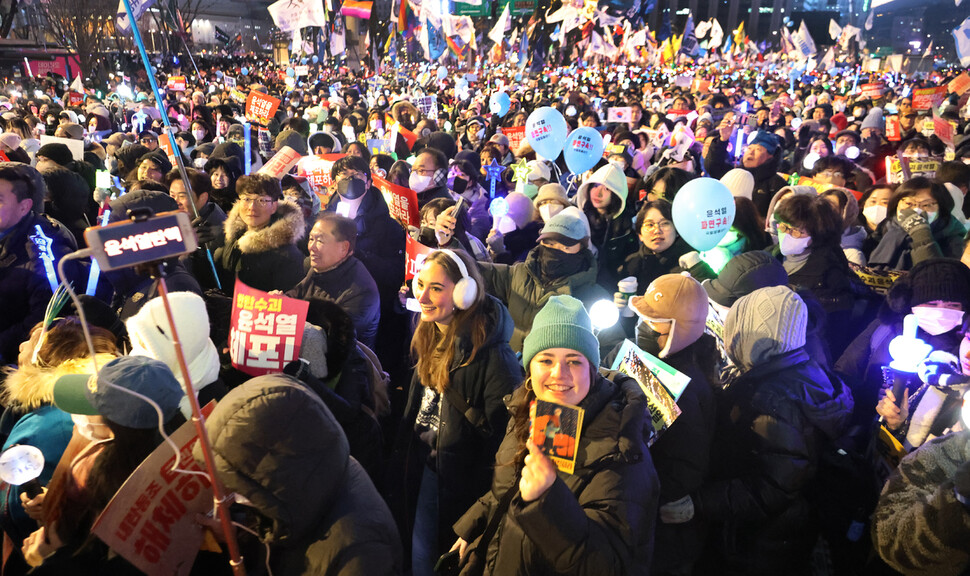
(555, 429)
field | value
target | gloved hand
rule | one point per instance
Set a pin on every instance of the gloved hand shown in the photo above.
(621, 300)
(678, 511)
(205, 232)
(689, 260)
(915, 224)
(937, 364)
(496, 242)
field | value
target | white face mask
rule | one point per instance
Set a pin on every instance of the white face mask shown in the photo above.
(93, 431)
(791, 246)
(875, 214)
(199, 135)
(547, 211)
(935, 321)
(199, 163)
(419, 183)
(932, 216)
(349, 133)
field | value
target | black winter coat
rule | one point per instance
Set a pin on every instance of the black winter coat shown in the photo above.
(646, 266)
(598, 521)
(265, 259)
(465, 455)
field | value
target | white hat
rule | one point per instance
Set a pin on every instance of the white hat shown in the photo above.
(740, 182)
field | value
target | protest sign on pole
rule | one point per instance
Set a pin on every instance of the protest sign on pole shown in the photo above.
(316, 169)
(416, 253)
(281, 162)
(261, 107)
(402, 202)
(266, 330)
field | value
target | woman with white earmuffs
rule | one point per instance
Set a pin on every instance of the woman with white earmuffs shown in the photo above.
(455, 417)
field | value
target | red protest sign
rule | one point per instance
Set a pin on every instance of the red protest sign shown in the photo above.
(261, 107)
(75, 99)
(893, 132)
(281, 162)
(316, 169)
(926, 98)
(402, 202)
(700, 85)
(166, 145)
(943, 130)
(960, 84)
(266, 330)
(151, 520)
(515, 134)
(873, 90)
(416, 253)
(176, 83)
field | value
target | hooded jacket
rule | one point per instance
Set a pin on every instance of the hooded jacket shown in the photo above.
(613, 235)
(772, 422)
(265, 259)
(597, 521)
(465, 455)
(897, 250)
(321, 513)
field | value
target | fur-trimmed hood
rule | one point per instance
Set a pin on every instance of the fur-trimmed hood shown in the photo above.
(32, 386)
(287, 226)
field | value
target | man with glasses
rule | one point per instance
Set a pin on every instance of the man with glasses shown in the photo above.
(429, 176)
(148, 139)
(31, 244)
(208, 225)
(261, 232)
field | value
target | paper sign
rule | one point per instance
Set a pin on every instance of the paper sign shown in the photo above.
(555, 429)
(825, 186)
(76, 146)
(619, 114)
(960, 84)
(893, 132)
(515, 134)
(150, 521)
(301, 71)
(416, 253)
(377, 146)
(943, 130)
(926, 98)
(899, 170)
(176, 83)
(402, 202)
(428, 105)
(266, 330)
(316, 169)
(872, 90)
(229, 81)
(261, 107)
(281, 162)
(700, 85)
(75, 99)
(409, 136)
(652, 375)
(166, 145)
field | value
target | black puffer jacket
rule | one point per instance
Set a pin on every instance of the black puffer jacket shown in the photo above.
(276, 444)
(646, 266)
(25, 277)
(465, 455)
(265, 259)
(599, 520)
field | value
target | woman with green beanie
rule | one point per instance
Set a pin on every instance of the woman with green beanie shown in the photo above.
(538, 520)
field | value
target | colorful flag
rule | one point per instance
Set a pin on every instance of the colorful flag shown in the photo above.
(962, 37)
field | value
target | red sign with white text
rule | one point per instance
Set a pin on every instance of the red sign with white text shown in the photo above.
(960, 84)
(176, 83)
(261, 107)
(515, 134)
(926, 98)
(75, 99)
(872, 90)
(281, 162)
(316, 169)
(266, 330)
(416, 253)
(893, 132)
(402, 202)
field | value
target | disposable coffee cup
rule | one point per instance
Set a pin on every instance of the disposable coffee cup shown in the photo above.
(628, 287)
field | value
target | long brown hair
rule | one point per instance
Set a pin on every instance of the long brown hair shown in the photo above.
(434, 349)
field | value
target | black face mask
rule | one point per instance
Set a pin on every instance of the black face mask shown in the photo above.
(555, 264)
(648, 339)
(351, 188)
(459, 186)
(427, 236)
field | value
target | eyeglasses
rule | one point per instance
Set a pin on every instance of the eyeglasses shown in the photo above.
(424, 171)
(144, 140)
(831, 174)
(790, 230)
(261, 202)
(928, 205)
(665, 225)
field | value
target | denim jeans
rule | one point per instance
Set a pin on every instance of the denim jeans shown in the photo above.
(424, 538)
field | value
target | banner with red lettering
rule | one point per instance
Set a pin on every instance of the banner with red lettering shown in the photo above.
(872, 90)
(261, 107)
(150, 521)
(402, 202)
(316, 169)
(515, 134)
(176, 83)
(960, 84)
(926, 98)
(416, 253)
(75, 99)
(281, 162)
(266, 330)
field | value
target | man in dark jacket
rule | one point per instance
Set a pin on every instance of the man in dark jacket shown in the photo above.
(318, 510)
(761, 158)
(207, 225)
(335, 274)
(31, 244)
(429, 176)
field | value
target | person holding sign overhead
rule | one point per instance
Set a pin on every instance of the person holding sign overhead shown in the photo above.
(539, 520)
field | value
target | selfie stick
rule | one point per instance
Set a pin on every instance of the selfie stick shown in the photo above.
(169, 131)
(218, 492)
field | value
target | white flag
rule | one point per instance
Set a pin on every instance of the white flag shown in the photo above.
(962, 37)
(848, 33)
(828, 61)
(498, 31)
(805, 42)
(868, 24)
(834, 29)
(717, 34)
(77, 85)
(702, 29)
(138, 7)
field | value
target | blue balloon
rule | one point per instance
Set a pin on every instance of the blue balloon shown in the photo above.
(499, 104)
(442, 72)
(315, 59)
(290, 72)
(546, 131)
(303, 61)
(584, 148)
(218, 73)
(703, 212)
(245, 71)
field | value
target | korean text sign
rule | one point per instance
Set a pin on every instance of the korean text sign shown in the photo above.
(401, 202)
(266, 330)
(261, 107)
(416, 253)
(151, 520)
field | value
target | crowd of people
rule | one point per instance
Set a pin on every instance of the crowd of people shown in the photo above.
(399, 443)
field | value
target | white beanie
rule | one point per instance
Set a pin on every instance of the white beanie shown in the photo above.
(740, 182)
(150, 335)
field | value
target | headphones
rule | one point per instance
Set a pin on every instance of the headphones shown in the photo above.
(466, 289)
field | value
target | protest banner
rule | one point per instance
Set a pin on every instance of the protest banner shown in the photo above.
(166, 145)
(402, 202)
(416, 252)
(75, 99)
(661, 384)
(960, 84)
(300, 71)
(281, 162)
(926, 98)
(943, 130)
(701, 86)
(316, 169)
(266, 330)
(229, 81)
(872, 90)
(261, 107)
(825, 186)
(515, 134)
(378, 146)
(428, 105)
(176, 83)
(150, 521)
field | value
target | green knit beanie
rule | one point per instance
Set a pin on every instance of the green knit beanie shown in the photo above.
(562, 323)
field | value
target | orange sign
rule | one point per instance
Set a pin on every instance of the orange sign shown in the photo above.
(926, 98)
(176, 83)
(960, 84)
(261, 107)
(281, 162)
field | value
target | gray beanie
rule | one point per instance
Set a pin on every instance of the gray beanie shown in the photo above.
(874, 119)
(764, 324)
